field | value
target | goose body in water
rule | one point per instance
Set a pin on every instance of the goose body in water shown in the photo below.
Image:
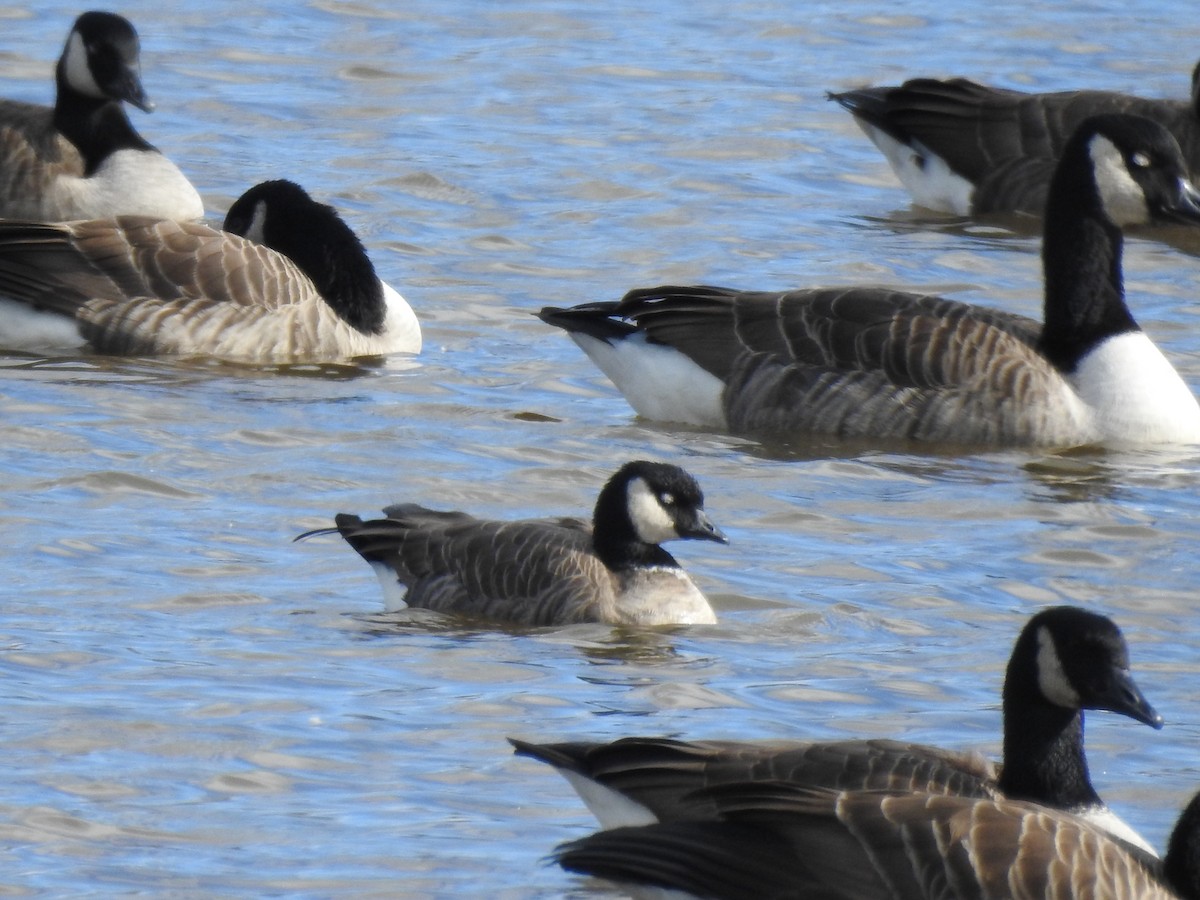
(877, 363)
(83, 159)
(1065, 660)
(781, 840)
(969, 149)
(548, 571)
(286, 280)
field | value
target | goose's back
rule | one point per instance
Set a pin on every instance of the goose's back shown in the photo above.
(531, 572)
(867, 362)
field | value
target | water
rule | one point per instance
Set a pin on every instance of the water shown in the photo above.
(195, 706)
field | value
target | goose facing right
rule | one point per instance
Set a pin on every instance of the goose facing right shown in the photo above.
(969, 149)
(83, 159)
(783, 841)
(876, 363)
(548, 571)
(286, 280)
(1065, 660)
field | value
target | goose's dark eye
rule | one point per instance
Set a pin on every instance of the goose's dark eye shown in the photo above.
(1140, 160)
(666, 499)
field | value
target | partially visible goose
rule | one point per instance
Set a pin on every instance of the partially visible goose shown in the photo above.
(287, 280)
(83, 159)
(1065, 660)
(968, 149)
(779, 840)
(548, 571)
(877, 363)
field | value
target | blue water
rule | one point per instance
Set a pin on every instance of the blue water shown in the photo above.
(195, 706)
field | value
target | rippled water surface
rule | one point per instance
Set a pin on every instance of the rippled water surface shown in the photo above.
(194, 705)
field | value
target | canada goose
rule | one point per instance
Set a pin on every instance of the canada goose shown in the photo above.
(83, 159)
(548, 571)
(286, 280)
(781, 840)
(877, 363)
(969, 149)
(1064, 661)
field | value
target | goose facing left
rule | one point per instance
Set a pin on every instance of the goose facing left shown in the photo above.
(286, 280)
(83, 159)
(876, 363)
(548, 571)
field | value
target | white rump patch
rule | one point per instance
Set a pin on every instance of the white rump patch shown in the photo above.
(611, 808)
(652, 523)
(1052, 679)
(659, 382)
(1135, 394)
(25, 328)
(1122, 198)
(79, 75)
(924, 174)
(393, 590)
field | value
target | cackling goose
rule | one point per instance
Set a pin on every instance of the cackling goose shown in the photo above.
(83, 159)
(782, 840)
(548, 571)
(1065, 660)
(287, 280)
(877, 363)
(966, 148)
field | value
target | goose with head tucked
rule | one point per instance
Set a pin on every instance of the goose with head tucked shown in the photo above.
(875, 363)
(285, 281)
(784, 841)
(548, 571)
(1065, 660)
(83, 159)
(969, 149)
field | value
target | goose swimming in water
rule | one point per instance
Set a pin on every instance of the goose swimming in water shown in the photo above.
(877, 363)
(285, 281)
(968, 149)
(83, 159)
(548, 571)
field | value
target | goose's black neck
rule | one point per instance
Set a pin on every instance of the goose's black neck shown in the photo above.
(1043, 753)
(316, 239)
(97, 126)
(1081, 261)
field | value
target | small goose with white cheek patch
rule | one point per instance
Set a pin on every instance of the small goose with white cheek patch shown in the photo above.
(83, 159)
(877, 363)
(969, 149)
(285, 281)
(547, 571)
(1065, 660)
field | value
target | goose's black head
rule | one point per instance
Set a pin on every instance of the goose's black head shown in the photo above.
(1131, 168)
(281, 215)
(100, 61)
(1073, 659)
(644, 504)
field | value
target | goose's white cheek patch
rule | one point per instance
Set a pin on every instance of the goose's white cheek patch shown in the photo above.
(1052, 679)
(652, 523)
(1123, 199)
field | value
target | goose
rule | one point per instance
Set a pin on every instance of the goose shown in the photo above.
(969, 149)
(781, 840)
(548, 571)
(877, 363)
(286, 280)
(83, 159)
(1065, 660)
